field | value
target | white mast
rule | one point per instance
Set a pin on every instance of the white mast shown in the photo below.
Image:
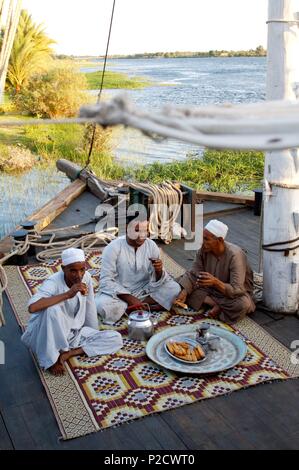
(10, 28)
(281, 204)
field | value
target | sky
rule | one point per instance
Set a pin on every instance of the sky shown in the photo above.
(81, 27)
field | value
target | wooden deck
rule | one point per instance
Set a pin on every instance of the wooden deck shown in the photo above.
(261, 417)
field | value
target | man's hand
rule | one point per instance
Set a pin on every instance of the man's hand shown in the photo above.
(182, 297)
(206, 280)
(80, 287)
(157, 264)
(47, 302)
(130, 300)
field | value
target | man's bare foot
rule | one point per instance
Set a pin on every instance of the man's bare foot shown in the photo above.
(214, 312)
(57, 369)
(65, 356)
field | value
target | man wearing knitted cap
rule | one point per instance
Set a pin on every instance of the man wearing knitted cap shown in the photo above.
(64, 320)
(220, 277)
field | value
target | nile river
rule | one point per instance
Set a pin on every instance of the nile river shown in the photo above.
(177, 81)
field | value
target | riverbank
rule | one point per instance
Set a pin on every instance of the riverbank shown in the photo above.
(25, 192)
(224, 171)
(114, 80)
(257, 52)
(127, 154)
(92, 71)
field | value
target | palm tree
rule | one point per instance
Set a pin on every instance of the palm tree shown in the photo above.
(31, 50)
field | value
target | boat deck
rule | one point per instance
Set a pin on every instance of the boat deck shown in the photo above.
(261, 417)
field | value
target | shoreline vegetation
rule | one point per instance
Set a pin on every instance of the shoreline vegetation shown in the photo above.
(259, 51)
(223, 171)
(114, 80)
(21, 149)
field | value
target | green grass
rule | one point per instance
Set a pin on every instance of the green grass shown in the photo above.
(114, 80)
(224, 171)
(51, 143)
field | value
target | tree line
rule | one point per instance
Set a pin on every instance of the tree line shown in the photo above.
(257, 52)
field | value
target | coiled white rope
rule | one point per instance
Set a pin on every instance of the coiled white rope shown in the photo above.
(86, 242)
(167, 199)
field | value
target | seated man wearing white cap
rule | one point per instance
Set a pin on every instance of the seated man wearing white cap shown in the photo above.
(64, 318)
(220, 277)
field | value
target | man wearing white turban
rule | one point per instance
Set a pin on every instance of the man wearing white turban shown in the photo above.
(220, 277)
(133, 275)
(64, 320)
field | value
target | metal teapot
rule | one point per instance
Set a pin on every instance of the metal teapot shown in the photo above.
(141, 325)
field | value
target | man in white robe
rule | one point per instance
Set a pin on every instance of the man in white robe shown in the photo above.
(64, 319)
(132, 275)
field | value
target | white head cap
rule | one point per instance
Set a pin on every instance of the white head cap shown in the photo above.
(217, 228)
(72, 255)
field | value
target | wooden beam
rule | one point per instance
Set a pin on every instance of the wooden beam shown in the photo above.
(58, 204)
(223, 197)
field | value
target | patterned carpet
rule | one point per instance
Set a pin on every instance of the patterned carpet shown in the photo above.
(100, 392)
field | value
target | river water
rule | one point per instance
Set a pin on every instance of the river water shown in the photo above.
(174, 81)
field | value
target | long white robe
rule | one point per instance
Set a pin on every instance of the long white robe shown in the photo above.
(68, 325)
(126, 271)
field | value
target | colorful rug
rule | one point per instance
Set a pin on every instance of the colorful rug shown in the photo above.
(100, 392)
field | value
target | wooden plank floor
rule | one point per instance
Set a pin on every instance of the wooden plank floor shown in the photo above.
(261, 417)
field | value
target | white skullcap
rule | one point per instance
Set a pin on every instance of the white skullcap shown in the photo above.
(72, 255)
(217, 228)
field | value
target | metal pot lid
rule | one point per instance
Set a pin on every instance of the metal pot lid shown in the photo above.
(140, 315)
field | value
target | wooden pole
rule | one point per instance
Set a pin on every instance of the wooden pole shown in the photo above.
(13, 17)
(281, 204)
(1, 12)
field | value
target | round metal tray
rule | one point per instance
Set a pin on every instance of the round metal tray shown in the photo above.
(230, 352)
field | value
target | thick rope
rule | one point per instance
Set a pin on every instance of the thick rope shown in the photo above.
(167, 201)
(267, 126)
(262, 126)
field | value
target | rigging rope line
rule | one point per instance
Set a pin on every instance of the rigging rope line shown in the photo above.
(102, 85)
(262, 126)
(272, 125)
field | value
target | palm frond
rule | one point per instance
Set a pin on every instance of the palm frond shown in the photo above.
(31, 50)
